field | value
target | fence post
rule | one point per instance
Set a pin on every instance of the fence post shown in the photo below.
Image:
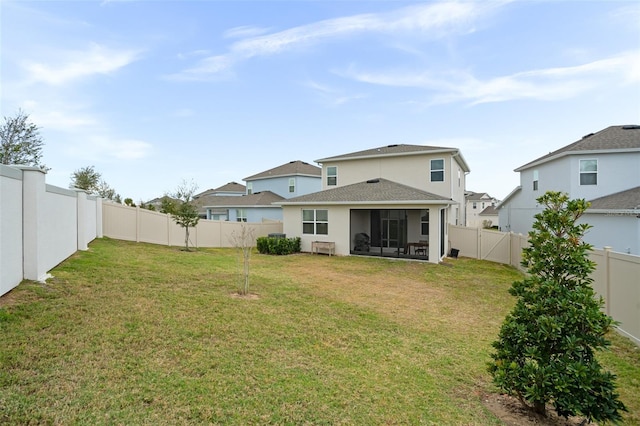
(168, 229)
(99, 231)
(607, 279)
(137, 224)
(33, 194)
(81, 213)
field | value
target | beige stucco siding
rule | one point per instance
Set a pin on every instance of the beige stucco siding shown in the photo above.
(341, 233)
(410, 170)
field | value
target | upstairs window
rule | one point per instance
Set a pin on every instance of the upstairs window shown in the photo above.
(249, 188)
(292, 185)
(332, 176)
(535, 180)
(315, 222)
(241, 215)
(475, 205)
(437, 170)
(588, 172)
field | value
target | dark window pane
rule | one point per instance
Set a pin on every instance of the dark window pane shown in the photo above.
(437, 176)
(322, 215)
(322, 228)
(307, 228)
(588, 178)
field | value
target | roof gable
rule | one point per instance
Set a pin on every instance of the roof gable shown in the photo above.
(613, 138)
(371, 191)
(293, 168)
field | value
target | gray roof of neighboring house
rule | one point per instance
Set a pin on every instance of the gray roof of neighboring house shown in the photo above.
(395, 151)
(258, 199)
(613, 138)
(478, 196)
(227, 187)
(624, 200)
(371, 191)
(290, 169)
(489, 211)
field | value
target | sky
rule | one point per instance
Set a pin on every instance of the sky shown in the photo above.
(154, 93)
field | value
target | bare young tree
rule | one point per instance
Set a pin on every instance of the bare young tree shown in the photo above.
(20, 141)
(184, 212)
(244, 241)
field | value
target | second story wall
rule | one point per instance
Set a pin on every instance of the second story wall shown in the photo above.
(410, 170)
(614, 172)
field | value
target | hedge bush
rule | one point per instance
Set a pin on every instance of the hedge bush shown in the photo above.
(278, 246)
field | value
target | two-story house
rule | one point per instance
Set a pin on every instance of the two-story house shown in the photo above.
(603, 168)
(231, 189)
(393, 201)
(480, 208)
(262, 190)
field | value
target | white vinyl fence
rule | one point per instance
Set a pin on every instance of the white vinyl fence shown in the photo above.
(140, 225)
(616, 278)
(41, 225)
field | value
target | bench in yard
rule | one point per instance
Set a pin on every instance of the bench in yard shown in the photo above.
(323, 247)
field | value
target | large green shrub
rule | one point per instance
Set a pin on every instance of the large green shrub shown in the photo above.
(279, 246)
(545, 353)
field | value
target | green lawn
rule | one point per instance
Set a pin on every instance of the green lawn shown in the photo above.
(131, 333)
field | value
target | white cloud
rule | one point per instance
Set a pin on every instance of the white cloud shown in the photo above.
(332, 95)
(434, 20)
(107, 149)
(544, 84)
(244, 31)
(72, 65)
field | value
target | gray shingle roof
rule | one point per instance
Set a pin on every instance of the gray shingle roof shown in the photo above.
(489, 211)
(227, 187)
(613, 138)
(478, 196)
(389, 150)
(371, 191)
(290, 169)
(263, 198)
(625, 200)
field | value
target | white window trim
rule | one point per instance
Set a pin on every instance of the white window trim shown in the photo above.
(292, 185)
(249, 188)
(431, 170)
(315, 221)
(335, 176)
(241, 215)
(580, 172)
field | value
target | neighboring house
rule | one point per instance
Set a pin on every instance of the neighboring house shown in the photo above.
(488, 218)
(599, 167)
(391, 201)
(476, 203)
(256, 207)
(288, 180)
(616, 221)
(157, 202)
(231, 189)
